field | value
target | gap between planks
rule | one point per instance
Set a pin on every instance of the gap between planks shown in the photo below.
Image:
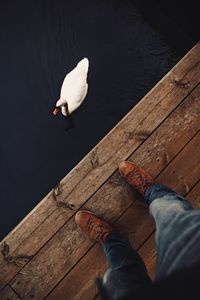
(92, 204)
(183, 105)
(143, 251)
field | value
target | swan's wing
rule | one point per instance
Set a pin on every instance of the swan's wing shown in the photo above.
(74, 87)
(81, 70)
(76, 96)
(83, 65)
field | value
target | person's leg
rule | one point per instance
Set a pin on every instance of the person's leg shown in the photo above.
(177, 229)
(177, 223)
(126, 268)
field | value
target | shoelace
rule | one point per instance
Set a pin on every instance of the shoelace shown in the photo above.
(143, 182)
(99, 229)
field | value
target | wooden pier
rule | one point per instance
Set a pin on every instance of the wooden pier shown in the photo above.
(46, 256)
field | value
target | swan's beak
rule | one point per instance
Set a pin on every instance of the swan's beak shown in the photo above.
(56, 111)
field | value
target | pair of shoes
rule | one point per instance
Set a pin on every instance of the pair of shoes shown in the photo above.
(96, 228)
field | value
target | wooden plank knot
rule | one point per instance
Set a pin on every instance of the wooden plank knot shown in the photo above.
(58, 191)
(142, 135)
(180, 83)
(18, 260)
(94, 159)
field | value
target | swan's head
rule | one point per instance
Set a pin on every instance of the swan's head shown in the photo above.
(61, 103)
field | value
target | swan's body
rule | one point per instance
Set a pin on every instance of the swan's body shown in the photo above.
(74, 88)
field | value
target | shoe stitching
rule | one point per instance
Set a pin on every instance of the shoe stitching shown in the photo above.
(98, 229)
(135, 175)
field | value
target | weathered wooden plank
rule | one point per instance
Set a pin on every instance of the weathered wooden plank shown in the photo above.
(83, 286)
(76, 243)
(148, 254)
(7, 293)
(194, 196)
(83, 275)
(144, 230)
(188, 164)
(46, 219)
(80, 282)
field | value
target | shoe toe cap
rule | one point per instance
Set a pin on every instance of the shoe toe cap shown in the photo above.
(125, 167)
(79, 217)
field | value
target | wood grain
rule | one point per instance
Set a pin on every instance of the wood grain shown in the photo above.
(49, 233)
(66, 249)
(143, 227)
(7, 293)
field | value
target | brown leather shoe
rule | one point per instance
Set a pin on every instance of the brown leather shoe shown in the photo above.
(135, 176)
(96, 228)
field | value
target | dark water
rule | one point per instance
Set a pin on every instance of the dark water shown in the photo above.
(40, 42)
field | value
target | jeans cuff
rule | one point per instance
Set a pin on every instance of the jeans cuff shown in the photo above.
(157, 190)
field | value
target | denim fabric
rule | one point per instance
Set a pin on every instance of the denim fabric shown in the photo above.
(177, 230)
(126, 268)
(177, 241)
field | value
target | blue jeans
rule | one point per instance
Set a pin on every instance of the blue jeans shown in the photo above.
(177, 242)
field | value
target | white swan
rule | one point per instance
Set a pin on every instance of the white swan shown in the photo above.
(74, 89)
